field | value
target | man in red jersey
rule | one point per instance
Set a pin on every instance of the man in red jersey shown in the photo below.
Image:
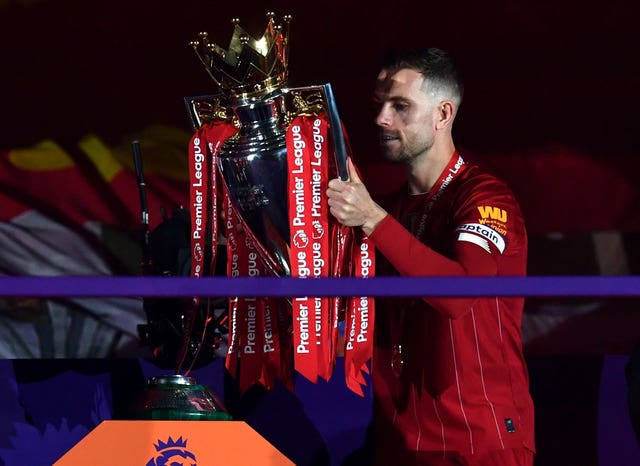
(449, 378)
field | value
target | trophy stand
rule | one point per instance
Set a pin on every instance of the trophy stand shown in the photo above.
(179, 398)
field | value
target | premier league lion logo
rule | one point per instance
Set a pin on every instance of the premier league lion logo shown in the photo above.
(173, 453)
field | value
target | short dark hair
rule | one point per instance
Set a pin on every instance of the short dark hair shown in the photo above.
(433, 63)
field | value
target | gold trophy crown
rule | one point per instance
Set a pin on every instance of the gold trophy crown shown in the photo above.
(250, 67)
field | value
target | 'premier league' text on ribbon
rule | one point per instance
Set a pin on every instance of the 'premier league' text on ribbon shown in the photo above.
(310, 248)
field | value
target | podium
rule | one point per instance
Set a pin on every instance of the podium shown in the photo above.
(150, 443)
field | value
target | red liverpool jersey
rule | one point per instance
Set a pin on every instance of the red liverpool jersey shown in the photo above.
(449, 373)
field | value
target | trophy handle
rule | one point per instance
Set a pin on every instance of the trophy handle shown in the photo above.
(202, 109)
(337, 135)
(331, 107)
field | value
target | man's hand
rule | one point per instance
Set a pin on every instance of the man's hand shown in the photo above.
(351, 204)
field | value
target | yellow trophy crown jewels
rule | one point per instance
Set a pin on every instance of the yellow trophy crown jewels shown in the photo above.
(250, 67)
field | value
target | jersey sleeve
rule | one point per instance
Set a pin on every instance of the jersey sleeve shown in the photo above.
(487, 236)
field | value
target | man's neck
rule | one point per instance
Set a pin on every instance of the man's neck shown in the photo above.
(424, 172)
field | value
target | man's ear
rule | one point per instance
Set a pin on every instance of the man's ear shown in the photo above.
(446, 111)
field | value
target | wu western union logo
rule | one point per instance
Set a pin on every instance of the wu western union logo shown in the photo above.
(494, 213)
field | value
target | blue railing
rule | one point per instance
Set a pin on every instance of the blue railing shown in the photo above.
(540, 286)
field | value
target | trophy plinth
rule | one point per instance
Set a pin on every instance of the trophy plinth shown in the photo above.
(179, 398)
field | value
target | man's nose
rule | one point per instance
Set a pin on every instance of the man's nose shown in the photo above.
(382, 118)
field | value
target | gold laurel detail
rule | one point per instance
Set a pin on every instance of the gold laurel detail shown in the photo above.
(212, 111)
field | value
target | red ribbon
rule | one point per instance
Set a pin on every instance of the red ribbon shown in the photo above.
(204, 148)
(359, 319)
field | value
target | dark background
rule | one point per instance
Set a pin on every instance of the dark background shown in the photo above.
(552, 87)
(536, 72)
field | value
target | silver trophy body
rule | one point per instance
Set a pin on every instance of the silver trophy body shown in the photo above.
(254, 168)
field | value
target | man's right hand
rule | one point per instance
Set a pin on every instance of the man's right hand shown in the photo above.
(351, 204)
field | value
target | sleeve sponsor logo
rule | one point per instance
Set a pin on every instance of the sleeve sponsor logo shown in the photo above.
(481, 234)
(494, 217)
(494, 213)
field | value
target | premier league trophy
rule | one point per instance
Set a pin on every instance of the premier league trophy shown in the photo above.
(260, 160)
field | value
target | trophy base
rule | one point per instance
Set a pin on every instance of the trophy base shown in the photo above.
(179, 398)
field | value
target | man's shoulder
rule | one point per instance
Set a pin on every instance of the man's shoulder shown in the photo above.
(488, 198)
(481, 181)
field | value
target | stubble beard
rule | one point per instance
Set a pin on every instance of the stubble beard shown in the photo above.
(396, 157)
(404, 155)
